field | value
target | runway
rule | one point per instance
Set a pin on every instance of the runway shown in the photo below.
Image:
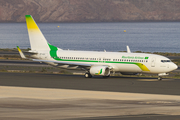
(78, 82)
(73, 97)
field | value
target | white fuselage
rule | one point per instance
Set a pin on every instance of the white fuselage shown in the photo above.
(119, 61)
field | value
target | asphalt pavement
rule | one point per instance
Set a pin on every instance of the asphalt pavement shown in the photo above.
(78, 82)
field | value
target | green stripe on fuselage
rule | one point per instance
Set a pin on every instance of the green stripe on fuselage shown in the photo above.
(53, 54)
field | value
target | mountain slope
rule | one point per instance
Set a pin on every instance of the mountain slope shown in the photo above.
(90, 10)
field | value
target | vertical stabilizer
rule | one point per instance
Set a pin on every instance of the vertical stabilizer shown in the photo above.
(37, 39)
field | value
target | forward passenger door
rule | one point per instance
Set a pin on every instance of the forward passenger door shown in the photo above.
(153, 61)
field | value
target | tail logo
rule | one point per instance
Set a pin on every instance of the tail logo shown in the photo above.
(100, 71)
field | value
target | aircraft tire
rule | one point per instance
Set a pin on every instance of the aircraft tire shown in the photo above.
(159, 78)
(88, 75)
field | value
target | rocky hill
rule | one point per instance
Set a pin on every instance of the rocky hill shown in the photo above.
(90, 10)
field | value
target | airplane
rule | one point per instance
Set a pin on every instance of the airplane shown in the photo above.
(94, 63)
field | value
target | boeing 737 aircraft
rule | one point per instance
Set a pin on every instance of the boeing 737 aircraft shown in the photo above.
(94, 63)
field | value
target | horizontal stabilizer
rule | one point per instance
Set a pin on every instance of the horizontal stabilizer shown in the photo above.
(31, 52)
(21, 53)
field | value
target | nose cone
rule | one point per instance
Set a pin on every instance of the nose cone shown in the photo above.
(173, 66)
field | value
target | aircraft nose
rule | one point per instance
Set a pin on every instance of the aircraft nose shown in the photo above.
(174, 66)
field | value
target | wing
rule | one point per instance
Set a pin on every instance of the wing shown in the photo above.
(65, 63)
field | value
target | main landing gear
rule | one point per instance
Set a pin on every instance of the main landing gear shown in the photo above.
(87, 75)
(159, 78)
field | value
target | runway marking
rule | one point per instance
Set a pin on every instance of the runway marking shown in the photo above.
(147, 80)
(47, 93)
(154, 79)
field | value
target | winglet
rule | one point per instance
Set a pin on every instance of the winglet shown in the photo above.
(128, 49)
(21, 53)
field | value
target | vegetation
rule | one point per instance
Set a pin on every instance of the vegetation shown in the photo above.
(176, 61)
(32, 69)
(12, 49)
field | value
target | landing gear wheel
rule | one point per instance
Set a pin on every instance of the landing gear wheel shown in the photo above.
(159, 78)
(88, 75)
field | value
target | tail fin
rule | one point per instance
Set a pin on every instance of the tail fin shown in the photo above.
(37, 39)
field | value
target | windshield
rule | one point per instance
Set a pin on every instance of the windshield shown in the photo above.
(165, 61)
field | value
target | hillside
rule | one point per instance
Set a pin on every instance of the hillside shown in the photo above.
(90, 10)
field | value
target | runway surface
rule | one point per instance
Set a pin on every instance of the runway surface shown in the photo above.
(78, 82)
(79, 98)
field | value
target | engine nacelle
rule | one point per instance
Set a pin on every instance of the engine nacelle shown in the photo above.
(99, 70)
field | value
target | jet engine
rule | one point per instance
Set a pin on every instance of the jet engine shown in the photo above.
(100, 70)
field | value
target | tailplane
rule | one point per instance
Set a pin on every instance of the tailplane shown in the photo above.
(21, 53)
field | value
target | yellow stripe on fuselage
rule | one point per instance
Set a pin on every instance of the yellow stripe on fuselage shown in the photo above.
(142, 66)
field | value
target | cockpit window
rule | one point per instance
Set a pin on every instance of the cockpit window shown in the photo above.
(165, 61)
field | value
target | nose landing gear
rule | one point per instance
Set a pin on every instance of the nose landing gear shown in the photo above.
(162, 74)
